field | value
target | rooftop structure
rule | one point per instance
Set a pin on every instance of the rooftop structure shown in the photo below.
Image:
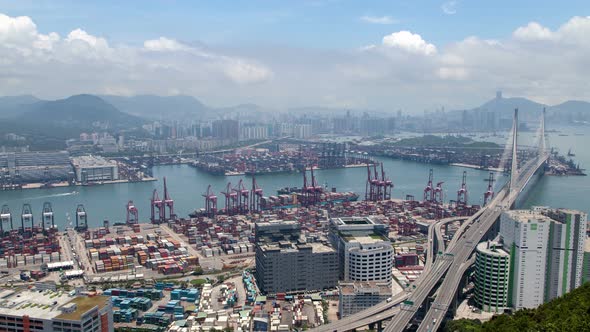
(277, 230)
(46, 310)
(357, 226)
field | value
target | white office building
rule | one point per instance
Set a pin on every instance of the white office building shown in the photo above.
(364, 251)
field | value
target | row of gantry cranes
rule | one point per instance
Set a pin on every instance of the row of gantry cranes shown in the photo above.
(241, 200)
(28, 227)
(379, 187)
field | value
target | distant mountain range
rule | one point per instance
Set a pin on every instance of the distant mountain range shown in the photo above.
(159, 108)
(79, 111)
(86, 111)
(528, 110)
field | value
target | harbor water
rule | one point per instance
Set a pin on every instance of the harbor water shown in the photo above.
(186, 186)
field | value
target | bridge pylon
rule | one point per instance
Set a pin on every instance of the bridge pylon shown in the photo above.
(542, 140)
(514, 166)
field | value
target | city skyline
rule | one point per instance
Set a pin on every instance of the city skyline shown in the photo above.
(290, 54)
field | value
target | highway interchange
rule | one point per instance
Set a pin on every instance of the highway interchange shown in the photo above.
(454, 258)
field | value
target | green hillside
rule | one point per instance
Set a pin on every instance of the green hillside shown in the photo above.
(568, 313)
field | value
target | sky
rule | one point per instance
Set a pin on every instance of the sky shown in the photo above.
(379, 55)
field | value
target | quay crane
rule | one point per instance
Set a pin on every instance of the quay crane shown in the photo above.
(210, 202)
(132, 214)
(81, 218)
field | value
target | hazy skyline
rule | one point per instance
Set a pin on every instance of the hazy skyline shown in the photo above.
(279, 54)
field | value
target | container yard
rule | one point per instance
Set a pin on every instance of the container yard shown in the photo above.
(221, 240)
(279, 158)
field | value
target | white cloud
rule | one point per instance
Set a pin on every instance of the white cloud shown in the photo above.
(449, 7)
(533, 31)
(576, 31)
(409, 42)
(403, 70)
(244, 72)
(452, 73)
(378, 19)
(86, 63)
(91, 40)
(164, 44)
(16, 29)
(237, 69)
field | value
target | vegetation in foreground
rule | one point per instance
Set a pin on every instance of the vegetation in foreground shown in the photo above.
(570, 312)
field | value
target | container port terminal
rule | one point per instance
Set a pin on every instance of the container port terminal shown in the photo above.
(280, 157)
(208, 270)
(213, 240)
(31, 170)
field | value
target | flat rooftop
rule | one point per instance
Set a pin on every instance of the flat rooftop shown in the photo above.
(369, 239)
(526, 216)
(92, 161)
(83, 304)
(353, 221)
(366, 287)
(493, 249)
(45, 304)
(286, 246)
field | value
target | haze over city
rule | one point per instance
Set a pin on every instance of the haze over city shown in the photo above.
(282, 165)
(375, 55)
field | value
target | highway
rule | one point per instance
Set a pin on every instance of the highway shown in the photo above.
(382, 310)
(456, 258)
(448, 288)
(460, 248)
(386, 310)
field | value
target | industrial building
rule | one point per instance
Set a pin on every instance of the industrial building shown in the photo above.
(95, 168)
(492, 269)
(285, 263)
(546, 251)
(364, 251)
(31, 167)
(48, 311)
(357, 296)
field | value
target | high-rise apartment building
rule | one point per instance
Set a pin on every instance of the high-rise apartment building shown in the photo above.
(492, 270)
(546, 253)
(226, 129)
